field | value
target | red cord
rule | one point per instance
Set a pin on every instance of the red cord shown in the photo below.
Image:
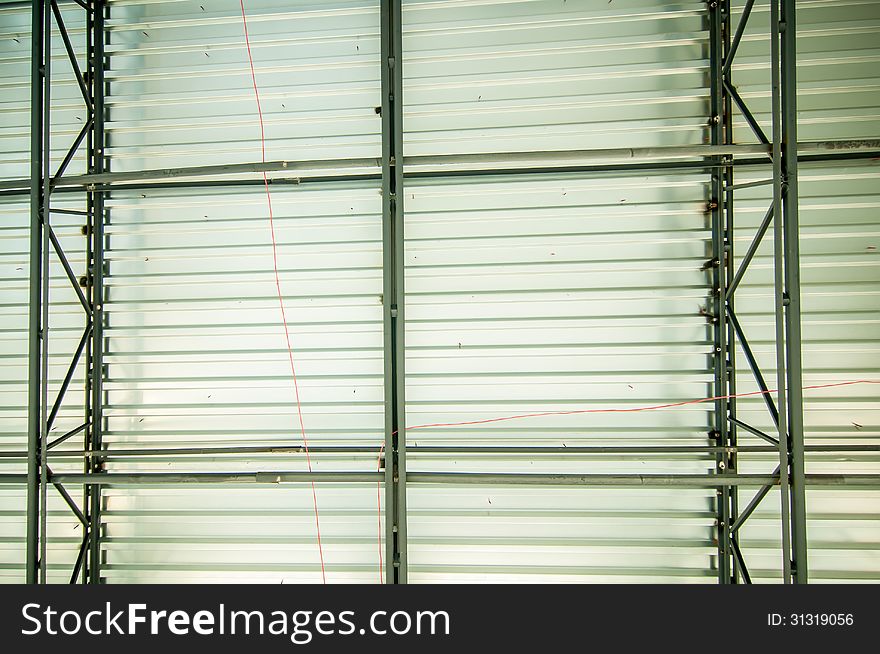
(281, 295)
(654, 407)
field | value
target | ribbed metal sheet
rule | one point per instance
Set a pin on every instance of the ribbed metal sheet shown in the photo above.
(558, 294)
(513, 75)
(181, 92)
(197, 355)
(524, 294)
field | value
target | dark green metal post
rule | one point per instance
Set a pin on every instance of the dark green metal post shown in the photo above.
(794, 378)
(46, 283)
(393, 291)
(729, 271)
(779, 290)
(35, 349)
(96, 274)
(718, 268)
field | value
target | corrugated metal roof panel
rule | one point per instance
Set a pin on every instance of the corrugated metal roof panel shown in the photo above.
(181, 92)
(511, 76)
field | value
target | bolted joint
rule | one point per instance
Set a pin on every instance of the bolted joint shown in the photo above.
(711, 205)
(85, 230)
(711, 318)
(710, 263)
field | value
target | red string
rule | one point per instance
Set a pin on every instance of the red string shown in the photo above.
(654, 407)
(280, 294)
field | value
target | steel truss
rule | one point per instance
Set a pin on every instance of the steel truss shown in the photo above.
(787, 410)
(717, 159)
(47, 18)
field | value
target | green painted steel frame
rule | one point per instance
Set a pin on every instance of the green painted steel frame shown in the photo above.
(43, 241)
(787, 413)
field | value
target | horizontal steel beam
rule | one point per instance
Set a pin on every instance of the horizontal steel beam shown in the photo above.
(440, 449)
(460, 478)
(689, 481)
(456, 163)
(186, 478)
(865, 157)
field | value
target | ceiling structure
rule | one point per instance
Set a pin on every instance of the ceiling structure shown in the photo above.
(544, 266)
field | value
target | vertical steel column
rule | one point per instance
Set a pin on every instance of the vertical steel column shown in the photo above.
(46, 283)
(718, 267)
(87, 233)
(780, 299)
(729, 270)
(94, 464)
(35, 340)
(788, 64)
(393, 291)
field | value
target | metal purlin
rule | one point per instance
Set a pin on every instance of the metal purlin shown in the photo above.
(43, 243)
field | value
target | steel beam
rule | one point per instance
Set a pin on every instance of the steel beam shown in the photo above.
(95, 201)
(46, 284)
(447, 450)
(597, 160)
(794, 376)
(730, 44)
(35, 427)
(42, 414)
(717, 266)
(779, 289)
(247, 478)
(393, 292)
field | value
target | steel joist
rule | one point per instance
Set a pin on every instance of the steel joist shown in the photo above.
(787, 409)
(45, 246)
